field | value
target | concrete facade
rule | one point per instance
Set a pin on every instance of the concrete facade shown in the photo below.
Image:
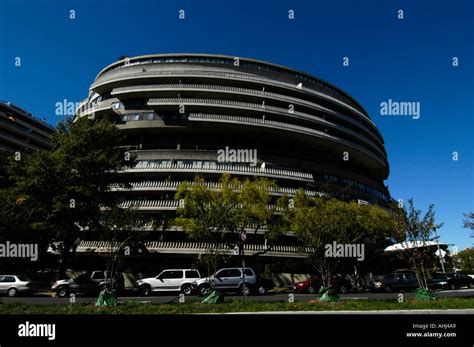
(179, 110)
(19, 130)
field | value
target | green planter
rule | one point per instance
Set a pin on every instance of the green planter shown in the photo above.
(328, 294)
(107, 298)
(213, 297)
(424, 294)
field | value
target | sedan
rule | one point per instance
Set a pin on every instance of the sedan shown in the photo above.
(12, 285)
(451, 280)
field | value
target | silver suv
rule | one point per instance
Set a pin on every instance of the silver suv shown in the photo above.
(228, 279)
(168, 280)
(16, 284)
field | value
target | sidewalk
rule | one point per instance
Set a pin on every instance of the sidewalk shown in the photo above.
(372, 312)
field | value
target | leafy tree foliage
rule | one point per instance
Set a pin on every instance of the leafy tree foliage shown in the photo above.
(218, 216)
(469, 221)
(465, 260)
(58, 194)
(415, 232)
(318, 222)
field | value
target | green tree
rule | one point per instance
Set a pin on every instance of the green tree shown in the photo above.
(217, 217)
(59, 193)
(319, 222)
(15, 216)
(469, 221)
(465, 260)
(5, 159)
(415, 233)
(123, 229)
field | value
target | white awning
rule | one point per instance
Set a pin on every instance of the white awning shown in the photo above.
(413, 244)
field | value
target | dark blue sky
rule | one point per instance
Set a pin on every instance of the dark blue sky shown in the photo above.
(402, 60)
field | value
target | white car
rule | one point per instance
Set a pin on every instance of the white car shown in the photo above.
(178, 280)
(16, 284)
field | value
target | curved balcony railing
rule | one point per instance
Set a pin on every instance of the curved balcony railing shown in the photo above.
(235, 76)
(142, 204)
(105, 105)
(92, 110)
(251, 229)
(221, 168)
(263, 108)
(173, 185)
(237, 90)
(150, 204)
(317, 85)
(248, 229)
(280, 125)
(168, 247)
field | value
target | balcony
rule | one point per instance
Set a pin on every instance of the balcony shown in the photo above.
(321, 93)
(160, 247)
(222, 168)
(200, 117)
(265, 108)
(173, 185)
(150, 205)
(165, 205)
(236, 90)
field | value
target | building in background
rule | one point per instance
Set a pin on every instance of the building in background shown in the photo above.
(20, 131)
(179, 111)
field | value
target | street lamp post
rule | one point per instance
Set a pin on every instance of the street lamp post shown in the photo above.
(441, 260)
(243, 238)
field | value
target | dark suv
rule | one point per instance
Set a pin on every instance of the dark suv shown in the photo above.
(451, 280)
(396, 281)
(87, 283)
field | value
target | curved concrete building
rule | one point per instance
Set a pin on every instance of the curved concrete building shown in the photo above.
(185, 114)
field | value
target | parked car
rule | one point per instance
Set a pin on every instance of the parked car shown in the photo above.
(451, 280)
(168, 280)
(91, 282)
(405, 281)
(312, 285)
(12, 285)
(228, 279)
